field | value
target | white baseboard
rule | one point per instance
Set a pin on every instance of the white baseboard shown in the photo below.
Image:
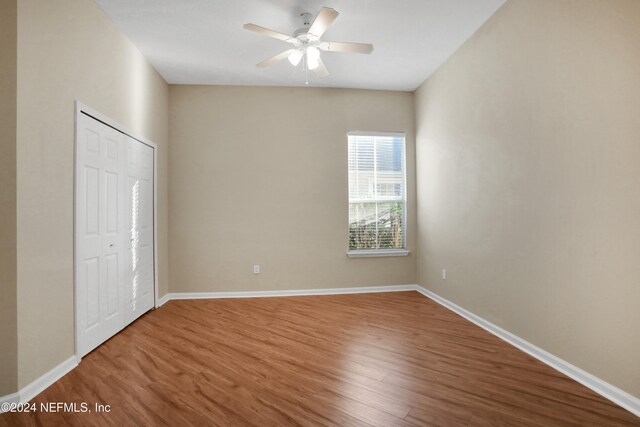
(603, 388)
(36, 387)
(287, 293)
(163, 299)
(10, 398)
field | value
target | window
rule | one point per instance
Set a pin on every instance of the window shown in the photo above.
(377, 194)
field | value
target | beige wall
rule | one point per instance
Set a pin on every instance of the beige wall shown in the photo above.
(528, 149)
(68, 50)
(259, 176)
(8, 312)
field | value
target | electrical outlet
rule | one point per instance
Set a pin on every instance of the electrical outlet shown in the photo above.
(444, 274)
(256, 269)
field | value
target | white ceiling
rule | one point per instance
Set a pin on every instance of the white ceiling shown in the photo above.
(203, 42)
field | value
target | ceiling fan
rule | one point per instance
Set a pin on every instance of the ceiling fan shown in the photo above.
(307, 44)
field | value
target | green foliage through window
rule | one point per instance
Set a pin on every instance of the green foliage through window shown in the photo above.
(385, 233)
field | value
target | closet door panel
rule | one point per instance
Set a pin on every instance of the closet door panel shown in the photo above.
(140, 286)
(98, 229)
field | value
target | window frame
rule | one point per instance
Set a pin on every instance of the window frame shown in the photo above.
(369, 253)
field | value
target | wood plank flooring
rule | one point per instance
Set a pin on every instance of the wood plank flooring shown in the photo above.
(392, 359)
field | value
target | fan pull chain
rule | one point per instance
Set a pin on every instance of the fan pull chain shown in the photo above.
(306, 70)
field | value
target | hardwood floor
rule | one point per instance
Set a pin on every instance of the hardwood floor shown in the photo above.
(393, 359)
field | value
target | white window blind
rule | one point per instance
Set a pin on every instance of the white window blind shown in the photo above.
(377, 192)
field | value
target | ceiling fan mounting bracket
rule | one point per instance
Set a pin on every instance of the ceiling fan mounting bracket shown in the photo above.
(301, 34)
(306, 19)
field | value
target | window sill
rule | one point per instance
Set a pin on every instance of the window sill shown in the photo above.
(374, 254)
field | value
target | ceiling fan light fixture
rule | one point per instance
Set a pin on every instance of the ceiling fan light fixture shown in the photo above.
(295, 57)
(313, 55)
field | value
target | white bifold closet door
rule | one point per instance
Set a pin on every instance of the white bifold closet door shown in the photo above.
(114, 231)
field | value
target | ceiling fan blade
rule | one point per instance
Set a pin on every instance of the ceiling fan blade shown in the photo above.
(274, 59)
(267, 32)
(346, 47)
(321, 69)
(322, 21)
